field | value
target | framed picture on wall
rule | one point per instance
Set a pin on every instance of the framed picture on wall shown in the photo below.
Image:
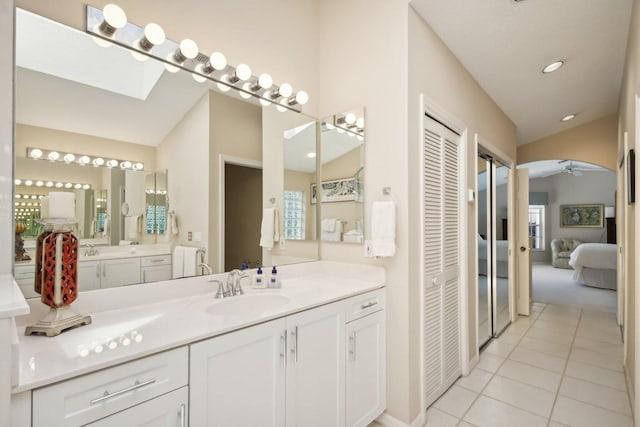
(339, 190)
(631, 176)
(583, 216)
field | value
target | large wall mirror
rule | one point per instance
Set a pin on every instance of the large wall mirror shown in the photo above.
(341, 192)
(201, 149)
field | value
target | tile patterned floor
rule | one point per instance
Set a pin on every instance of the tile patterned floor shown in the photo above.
(561, 366)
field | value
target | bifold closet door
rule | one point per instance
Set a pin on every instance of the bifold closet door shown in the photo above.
(440, 258)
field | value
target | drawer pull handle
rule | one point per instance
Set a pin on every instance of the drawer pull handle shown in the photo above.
(368, 305)
(108, 395)
(156, 260)
(183, 416)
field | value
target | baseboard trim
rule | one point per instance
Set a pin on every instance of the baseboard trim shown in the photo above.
(632, 398)
(387, 420)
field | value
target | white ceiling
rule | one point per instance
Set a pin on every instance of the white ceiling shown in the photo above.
(544, 168)
(505, 44)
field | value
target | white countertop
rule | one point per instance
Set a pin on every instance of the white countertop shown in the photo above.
(12, 302)
(163, 315)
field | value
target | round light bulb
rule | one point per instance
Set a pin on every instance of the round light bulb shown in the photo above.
(112, 163)
(77, 186)
(265, 102)
(98, 161)
(218, 61)
(223, 87)
(350, 118)
(554, 66)
(68, 185)
(49, 184)
(54, 155)
(285, 90)
(188, 48)
(568, 117)
(311, 155)
(198, 77)
(18, 196)
(36, 153)
(302, 97)
(86, 187)
(340, 130)
(126, 164)
(138, 56)
(246, 87)
(360, 122)
(114, 16)
(17, 181)
(170, 68)
(69, 157)
(265, 81)
(59, 185)
(154, 34)
(28, 183)
(138, 166)
(243, 72)
(280, 107)
(39, 183)
(83, 160)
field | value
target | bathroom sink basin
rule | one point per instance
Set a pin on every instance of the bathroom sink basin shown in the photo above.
(243, 304)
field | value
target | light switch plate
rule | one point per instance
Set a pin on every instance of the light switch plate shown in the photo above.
(197, 236)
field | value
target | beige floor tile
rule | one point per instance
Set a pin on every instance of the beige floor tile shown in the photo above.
(490, 362)
(499, 348)
(455, 401)
(571, 412)
(492, 413)
(512, 336)
(596, 395)
(567, 319)
(557, 424)
(521, 395)
(586, 343)
(538, 359)
(466, 424)
(612, 362)
(546, 347)
(594, 334)
(550, 335)
(437, 418)
(476, 380)
(596, 375)
(554, 326)
(531, 375)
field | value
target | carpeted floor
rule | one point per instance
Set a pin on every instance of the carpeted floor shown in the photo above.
(556, 286)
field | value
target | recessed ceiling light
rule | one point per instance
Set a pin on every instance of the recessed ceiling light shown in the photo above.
(568, 117)
(554, 66)
(311, 155)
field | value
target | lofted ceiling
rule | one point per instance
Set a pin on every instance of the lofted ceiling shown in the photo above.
(505, 44)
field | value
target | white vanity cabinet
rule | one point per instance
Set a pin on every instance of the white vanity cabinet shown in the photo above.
(104, 394)
(287, 371)
(366, 365)
(120, 272)
(89, 273)
(25, 276)
(155, 268)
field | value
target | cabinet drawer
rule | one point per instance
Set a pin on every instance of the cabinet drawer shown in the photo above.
(24, 272)
(84, 399)
(148, 261)
(364, 304)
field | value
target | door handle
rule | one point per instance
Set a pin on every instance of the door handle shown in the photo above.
(522, 249)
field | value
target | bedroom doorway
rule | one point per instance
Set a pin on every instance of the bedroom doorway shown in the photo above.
(493, 247)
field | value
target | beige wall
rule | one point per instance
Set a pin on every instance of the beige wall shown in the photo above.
(435, 72)
(628, 114)
(184, 153)
(594, 142)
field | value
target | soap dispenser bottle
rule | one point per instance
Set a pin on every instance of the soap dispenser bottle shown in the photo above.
(274, 280)
(258, 280)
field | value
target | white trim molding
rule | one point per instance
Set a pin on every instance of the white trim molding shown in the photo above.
(387, 420)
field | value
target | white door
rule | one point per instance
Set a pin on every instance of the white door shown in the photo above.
(316, 368)
(120, 272)
(366, 369)
(440, 258)
(238, 379)
(168, 410)
(523, 250)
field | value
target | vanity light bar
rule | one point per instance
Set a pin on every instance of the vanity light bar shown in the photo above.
(349, 122)
(50, 184)
(82, 159)
(109, 26)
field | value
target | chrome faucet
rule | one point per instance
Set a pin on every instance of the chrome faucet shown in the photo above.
(92, 251)
(221, 293)
(233, 282)
(205, 267)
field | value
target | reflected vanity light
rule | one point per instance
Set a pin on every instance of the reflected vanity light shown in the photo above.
(47, 184)
(81, 159)
(110, 25)
(351, 123)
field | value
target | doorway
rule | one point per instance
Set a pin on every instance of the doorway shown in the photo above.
(493, 247)
(242, 216)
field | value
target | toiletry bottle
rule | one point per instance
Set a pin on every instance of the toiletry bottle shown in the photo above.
(274, 280)
(258, 280)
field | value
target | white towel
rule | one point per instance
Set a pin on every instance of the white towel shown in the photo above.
(383, 229)
(335, 235)
(131, 227)
(105, 227)
(190, 261)
(329, 224)
(178, 262)
(270, 228)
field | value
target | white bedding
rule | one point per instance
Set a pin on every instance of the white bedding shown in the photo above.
(502, 249)
(593, 255)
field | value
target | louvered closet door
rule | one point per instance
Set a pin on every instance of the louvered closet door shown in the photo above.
(441, 263)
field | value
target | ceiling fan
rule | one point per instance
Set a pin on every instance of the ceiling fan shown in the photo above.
(571, 169)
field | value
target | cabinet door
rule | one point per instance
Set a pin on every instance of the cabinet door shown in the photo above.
(366, 369)
(237, 380)
(156, 273)
(89, 275)
(315, 367)
(120, 272)
(169, 410)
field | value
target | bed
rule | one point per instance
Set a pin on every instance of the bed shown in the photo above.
(502, 257)
(595, 265)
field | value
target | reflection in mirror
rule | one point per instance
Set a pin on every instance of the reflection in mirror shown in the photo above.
(342, 192)
(108, 105)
